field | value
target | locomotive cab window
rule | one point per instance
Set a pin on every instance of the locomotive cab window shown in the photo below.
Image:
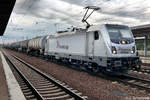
(96, 35)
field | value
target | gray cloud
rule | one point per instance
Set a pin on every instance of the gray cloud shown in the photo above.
(119, 8)
(114, 8)
(66, 13)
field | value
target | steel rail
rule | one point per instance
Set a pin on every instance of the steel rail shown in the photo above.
(136, 79)
(36, 93)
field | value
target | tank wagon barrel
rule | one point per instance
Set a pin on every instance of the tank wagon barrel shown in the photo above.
(24, 45)
(37, 45)
(15, 45)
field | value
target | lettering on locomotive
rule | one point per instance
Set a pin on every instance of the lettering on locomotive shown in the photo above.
(62, 46)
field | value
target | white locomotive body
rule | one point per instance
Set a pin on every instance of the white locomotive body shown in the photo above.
(107, 47)
(67, 43)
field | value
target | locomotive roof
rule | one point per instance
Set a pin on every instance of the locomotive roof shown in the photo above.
(91, 28)
(69, 33)
(97, 27)
(94, 28)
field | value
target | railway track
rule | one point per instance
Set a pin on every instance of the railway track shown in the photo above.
(36, 85)
(128, 80)
(143, 70)
(125, 79)
(135, 82)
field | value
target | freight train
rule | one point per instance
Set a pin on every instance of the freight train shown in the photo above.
(104, 48)
(107, 48)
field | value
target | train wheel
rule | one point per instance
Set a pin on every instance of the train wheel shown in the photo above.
(95, 68)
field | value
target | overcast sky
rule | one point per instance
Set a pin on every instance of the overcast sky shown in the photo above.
(32, 18)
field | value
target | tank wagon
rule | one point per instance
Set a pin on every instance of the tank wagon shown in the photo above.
(37, 45)
(15, 46)
(106, 48)
(24, 45)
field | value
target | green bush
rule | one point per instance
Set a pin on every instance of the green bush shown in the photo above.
(140, 46)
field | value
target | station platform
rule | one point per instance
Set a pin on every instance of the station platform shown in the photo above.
(10, 89)
(145, 60)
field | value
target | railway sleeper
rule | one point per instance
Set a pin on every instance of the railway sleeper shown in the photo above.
(40, 81)
(41, 89)
(36, 81)
(28, 93)
(44, 86)
(33, 99)
(54, 94)
(23, 85)
(30, 97)
(27, 90)
(64, 97)
(146, 84)
(52, 91)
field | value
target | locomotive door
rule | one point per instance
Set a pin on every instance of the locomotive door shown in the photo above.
(90, 44)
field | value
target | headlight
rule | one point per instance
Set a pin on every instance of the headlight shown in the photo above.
(133, 50)
(123, 42)
(114, 51)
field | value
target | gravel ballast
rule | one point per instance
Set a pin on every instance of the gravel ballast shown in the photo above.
(94, 87)
(141, 75)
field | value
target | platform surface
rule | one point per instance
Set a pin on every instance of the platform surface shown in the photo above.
(3, 85)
